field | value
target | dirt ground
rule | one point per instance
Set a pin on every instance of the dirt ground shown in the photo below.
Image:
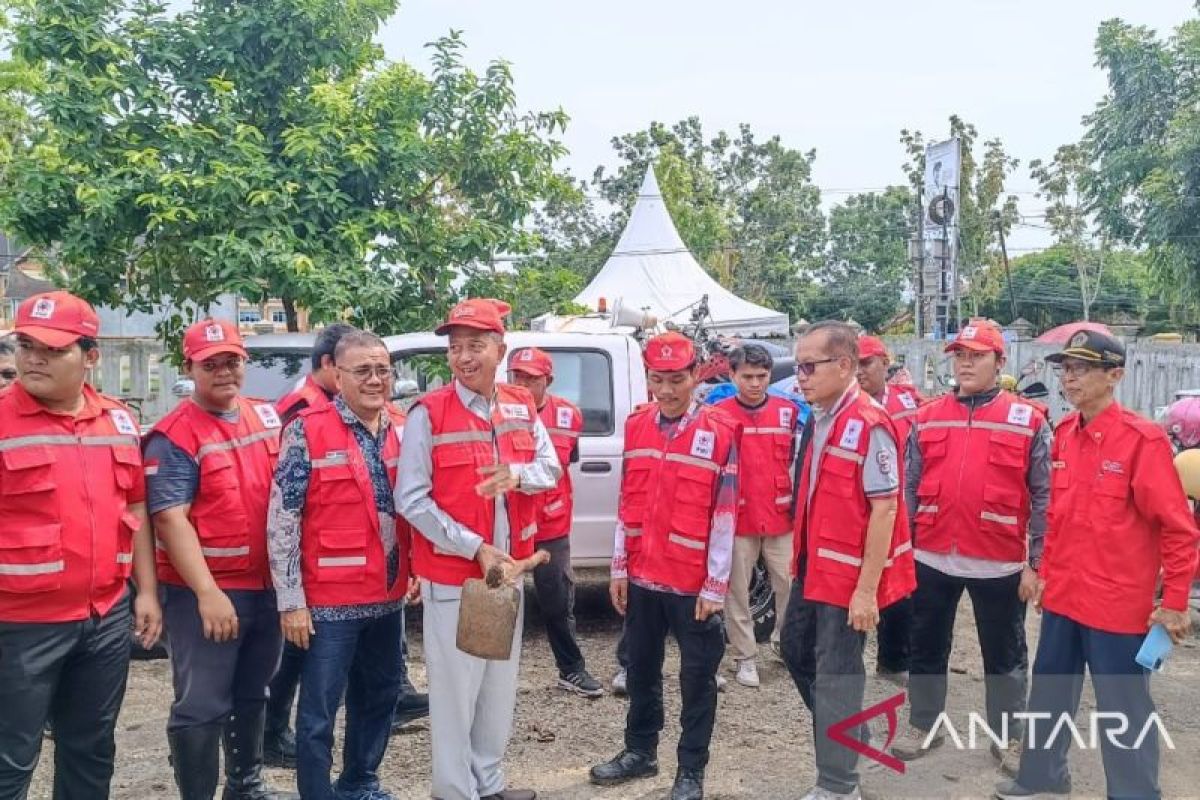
(762, 746)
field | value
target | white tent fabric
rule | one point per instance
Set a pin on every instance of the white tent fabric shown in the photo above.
(652, 268)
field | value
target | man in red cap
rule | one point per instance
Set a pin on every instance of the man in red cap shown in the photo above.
(475, 453)
(73, 529)
(893, 653)
(672, 557)
(977, 488)
(209, 465)
(554, 581)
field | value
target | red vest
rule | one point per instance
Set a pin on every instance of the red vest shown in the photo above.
(563, 421)
(310, 394)
(342, 562)
(229, 512)
(766, 446)
(974, 496)
(66, 531)
(462, 443)
(669, 493)
(831, 526)
(901, 403)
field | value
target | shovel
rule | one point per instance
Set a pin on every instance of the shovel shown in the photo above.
(487, 616)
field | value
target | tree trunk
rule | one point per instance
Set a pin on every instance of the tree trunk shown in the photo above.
(289, 310)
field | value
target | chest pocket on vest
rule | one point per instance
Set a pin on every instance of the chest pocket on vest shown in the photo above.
(782, 447)
(839, 476)
(522, 445)
(337, 485)
(634, 486)
(692, 509)
(1007, 450)
(28, 484)
(126, 467)
(933, 444)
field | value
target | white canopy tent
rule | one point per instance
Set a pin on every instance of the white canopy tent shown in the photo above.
(652, 269)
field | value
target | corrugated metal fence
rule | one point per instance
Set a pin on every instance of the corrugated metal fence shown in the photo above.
(1153, 375)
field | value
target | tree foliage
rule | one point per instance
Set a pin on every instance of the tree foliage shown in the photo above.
(1143, 147)
(261, 147)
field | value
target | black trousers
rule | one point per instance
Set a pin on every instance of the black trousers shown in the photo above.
(649, 617)
(825, 658)
(1000, 623)
(894, 637)
(72, 674)
(554, 583)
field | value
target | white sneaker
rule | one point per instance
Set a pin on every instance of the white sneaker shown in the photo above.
(747, 673)
(821, 793)
(619, 682)
(721, 682)
(910, 744)
(1008, 759)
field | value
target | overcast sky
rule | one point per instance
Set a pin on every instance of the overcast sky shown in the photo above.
(841, 77)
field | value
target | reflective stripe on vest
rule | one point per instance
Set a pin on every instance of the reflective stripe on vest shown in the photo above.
(209, 552)
(848, 455)
(32, 569)
(766, 431)
(694, 544)
(461, 436)
(567, 432)
(644, 452)
(236, 444)
(703, 463)
(63, 440)
(980, 424)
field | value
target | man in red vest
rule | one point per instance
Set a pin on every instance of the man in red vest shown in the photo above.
(977, 488)
(764, 522)
(475, 454)
(672, 556)
(319, 386)
(1119, 527)
(279, 745)
(208, 476)
(893, 654)
(339, 562)
(554, 582)
(72, 530)
(852, 556)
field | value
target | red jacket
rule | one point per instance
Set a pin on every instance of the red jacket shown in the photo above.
(462, 443)
(669, 493)
(1118, 520)
(902, 404)
(229, 512)
(309, 395)
(766, 447)
(831, 526)
(564, 422)
(342, 562)
(66, 531)
(973, 497)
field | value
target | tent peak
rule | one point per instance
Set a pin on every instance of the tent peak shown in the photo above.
(650, 184)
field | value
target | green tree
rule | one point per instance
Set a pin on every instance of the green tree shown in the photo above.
(1143, 148)
(532, 289)
(981, 194)
(262, 147)
(866, 267)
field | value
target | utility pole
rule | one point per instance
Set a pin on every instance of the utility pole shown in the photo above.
(1012, 298)
(919, 259)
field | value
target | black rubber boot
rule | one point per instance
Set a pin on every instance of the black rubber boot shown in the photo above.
(244, 756)
(195, 758)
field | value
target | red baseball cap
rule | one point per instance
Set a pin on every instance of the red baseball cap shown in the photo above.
(57, 319)
(871, 346)
(979, 335)
(531, 361)
(481, 313)
(669, 352)
(210, 337)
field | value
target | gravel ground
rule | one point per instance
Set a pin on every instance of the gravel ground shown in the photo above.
(762, 746)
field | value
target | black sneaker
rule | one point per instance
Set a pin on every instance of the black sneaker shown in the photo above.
(581, 682)
(628, 765)
(411, 706)
(1011, 790)
(279, 749)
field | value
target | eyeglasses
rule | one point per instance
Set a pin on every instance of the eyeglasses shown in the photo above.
(807, 368)
(8, 374)
(233, 363)
(365, 373)
(1078, 369)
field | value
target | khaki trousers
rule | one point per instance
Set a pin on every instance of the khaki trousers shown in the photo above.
(776, 551)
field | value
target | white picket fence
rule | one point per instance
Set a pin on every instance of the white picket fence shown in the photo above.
(1155, 372)
(134, 370)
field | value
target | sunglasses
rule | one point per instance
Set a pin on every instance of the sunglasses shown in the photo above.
(8, 374)
(807, 368)
(365, 373)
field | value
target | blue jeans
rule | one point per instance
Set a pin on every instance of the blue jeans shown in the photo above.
(359, 657)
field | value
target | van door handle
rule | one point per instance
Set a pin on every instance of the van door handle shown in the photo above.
(595, 466)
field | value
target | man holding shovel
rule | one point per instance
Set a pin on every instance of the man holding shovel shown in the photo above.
(474, 453)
